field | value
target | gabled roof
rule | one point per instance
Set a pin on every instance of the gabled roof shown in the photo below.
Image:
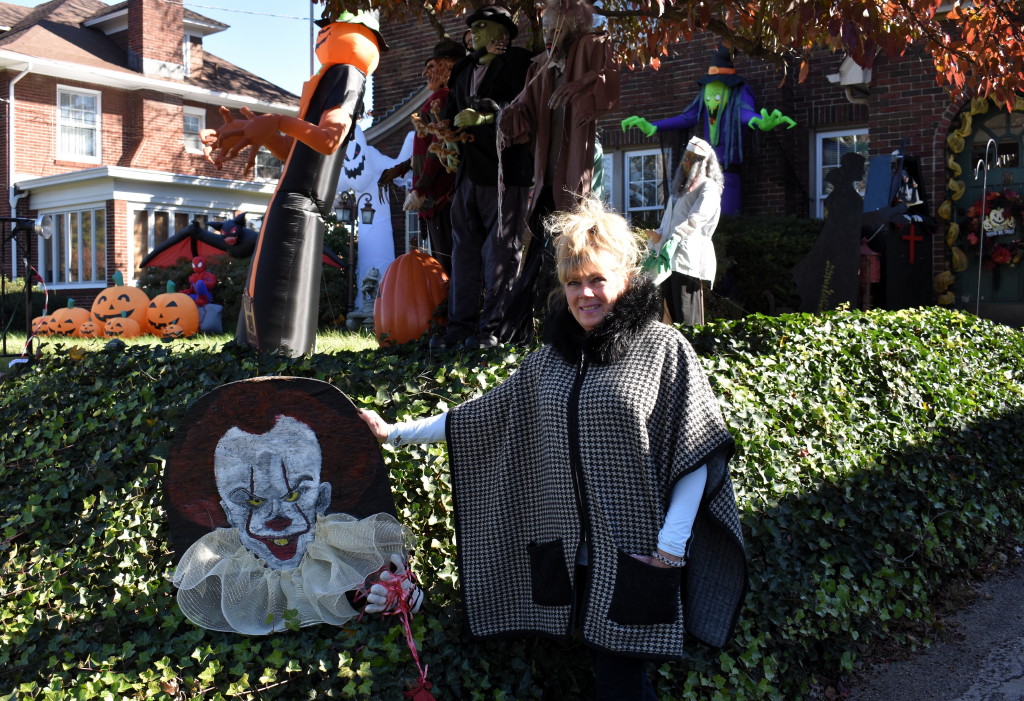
(52, 38)
(10, 15)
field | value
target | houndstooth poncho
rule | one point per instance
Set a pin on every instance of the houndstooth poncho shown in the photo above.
(589, 436)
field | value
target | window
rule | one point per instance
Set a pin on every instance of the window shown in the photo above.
(267, 166)
(831, 145)
(194, 122)
(76, 253)
(412, 233)
(78, 124)
(151, 227)
(604, 188)
(645, 197)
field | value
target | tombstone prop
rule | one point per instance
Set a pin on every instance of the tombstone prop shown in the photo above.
(277, 500)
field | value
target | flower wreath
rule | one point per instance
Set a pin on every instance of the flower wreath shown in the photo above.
(1003, 212)
(995, 250)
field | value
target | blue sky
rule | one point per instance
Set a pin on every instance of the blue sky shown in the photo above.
(267, 37)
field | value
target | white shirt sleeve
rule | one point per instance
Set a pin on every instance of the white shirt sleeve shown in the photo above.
(682, 510)
(428, 430)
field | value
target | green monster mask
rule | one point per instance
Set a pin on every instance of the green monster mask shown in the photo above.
(483, 32)
(716, 95)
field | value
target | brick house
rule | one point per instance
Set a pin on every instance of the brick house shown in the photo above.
(103, 108)
(839, 107)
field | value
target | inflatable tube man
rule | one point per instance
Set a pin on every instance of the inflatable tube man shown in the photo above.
(281, 296)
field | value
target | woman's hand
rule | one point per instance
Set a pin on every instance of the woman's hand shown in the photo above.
(378, 426)
(655, 562)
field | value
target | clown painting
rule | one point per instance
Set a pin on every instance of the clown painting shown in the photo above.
(278, 501)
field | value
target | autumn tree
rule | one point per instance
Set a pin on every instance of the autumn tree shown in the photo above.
(977, 47)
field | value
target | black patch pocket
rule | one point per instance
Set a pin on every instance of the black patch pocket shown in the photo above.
(644, 594)
(549, 577)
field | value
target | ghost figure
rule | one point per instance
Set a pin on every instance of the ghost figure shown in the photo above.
(270, 489)
(360, 172)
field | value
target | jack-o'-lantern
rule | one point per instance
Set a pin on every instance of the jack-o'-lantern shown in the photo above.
(354, 40)
(65, 322)
(41, 325)
(90, 329)
(172, 331)
(51, 326)
(112, 302)
(173, 308)
(123, 326)
(412, 288)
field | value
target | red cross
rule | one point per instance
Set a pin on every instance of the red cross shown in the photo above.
(912, 237)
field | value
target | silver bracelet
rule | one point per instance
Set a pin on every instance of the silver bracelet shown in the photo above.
(681, 562)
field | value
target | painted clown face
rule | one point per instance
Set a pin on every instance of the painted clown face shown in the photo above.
(270, 489)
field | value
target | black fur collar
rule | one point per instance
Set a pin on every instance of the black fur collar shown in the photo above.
(638, 305)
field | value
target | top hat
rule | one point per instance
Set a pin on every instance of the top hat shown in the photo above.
(447, 48)
(363, 18)
(495, 13)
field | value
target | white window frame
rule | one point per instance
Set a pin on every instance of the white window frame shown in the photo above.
(186, 53)
(262, 178)
(151, 210)
(193, 112)
(818, 176)
(414, 230)
(54, 255)
(659, 206)
(62, 123)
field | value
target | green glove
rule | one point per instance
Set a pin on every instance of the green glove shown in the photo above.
(640, 123)
(767, 122)
(473, 118)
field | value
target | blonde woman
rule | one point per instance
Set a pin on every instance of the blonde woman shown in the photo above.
(591, 488)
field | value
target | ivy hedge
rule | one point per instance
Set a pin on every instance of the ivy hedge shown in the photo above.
(878, 457)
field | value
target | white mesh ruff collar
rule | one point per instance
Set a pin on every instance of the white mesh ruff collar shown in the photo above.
(222, 586)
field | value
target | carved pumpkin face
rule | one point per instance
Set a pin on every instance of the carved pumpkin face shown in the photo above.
(122, 327)
(351, 44)
(114, 301)
(65, 322)
(173, 309)
(89, 329)
(41, 325)
(412, 288)
(172, 331)
(51, 326)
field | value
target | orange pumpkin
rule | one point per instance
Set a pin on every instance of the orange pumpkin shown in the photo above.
(173, 309)
(41, 325)
(65, 322)
(413, 286)
(112, 302)
(51, 326)
(123, 326)
(90, 329)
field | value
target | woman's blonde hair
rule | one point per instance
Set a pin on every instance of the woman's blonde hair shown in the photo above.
(588, 232)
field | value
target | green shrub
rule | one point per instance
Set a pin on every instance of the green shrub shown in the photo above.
(231, 275)
(756, 256)
(13, 302)
(877, 457)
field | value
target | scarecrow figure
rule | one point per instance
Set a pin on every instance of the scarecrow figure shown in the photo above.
(723, 107)
(279, 303)
(570, 85)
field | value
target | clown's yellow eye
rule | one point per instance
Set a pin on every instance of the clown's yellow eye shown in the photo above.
(255, 501)
(294, 496)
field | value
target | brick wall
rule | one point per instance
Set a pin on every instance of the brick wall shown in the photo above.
(155, 30)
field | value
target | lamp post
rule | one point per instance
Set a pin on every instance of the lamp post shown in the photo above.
(350, 214)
